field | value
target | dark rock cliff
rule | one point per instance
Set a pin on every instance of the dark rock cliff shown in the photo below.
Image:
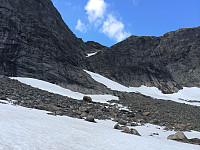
(168, 62)
(35, 42)
(180, 51)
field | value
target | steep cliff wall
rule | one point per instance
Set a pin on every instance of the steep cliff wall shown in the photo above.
(35, 42)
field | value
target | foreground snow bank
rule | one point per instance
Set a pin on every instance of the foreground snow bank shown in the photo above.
(23, 128)
(183, 96)
(46, 86)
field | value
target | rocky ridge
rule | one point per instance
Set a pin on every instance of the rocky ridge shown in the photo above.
(93, 47)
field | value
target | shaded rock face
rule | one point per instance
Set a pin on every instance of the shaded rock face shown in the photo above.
(180, 50)
(168, 62)
(35, 42)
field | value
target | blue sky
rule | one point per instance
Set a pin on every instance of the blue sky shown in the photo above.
(110, 21)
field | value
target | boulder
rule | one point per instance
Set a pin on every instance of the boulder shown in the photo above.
(90, 118)
(134, 131)
(117, 126)
(87, 98)
(177, 136)
(125, 129)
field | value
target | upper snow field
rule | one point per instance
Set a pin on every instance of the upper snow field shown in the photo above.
(186, 95)
(183, 96)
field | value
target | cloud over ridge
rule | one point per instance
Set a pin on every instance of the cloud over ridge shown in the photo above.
(114, 29)
(81, 26)
(103, 20)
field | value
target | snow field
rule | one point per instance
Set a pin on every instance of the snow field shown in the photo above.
(185, 95)
(30, 129)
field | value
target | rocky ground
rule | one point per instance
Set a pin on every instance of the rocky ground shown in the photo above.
(30, 97)
(141, 109)
(167, 113)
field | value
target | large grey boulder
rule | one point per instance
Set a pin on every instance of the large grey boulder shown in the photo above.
(177, 136)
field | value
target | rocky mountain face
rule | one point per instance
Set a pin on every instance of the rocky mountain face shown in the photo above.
(180, 50)
(35, 42)
(168, 62)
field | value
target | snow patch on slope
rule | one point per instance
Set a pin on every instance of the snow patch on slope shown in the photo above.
(24, 128)
(183, 96)
(46, 86)
(91, 54)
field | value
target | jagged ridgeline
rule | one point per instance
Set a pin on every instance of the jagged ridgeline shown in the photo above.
(168, 62)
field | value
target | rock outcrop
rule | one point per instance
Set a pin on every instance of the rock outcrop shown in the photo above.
(168, 62)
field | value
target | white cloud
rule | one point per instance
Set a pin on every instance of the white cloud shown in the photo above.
(95, 9)
(114, 29)
(81, 26)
